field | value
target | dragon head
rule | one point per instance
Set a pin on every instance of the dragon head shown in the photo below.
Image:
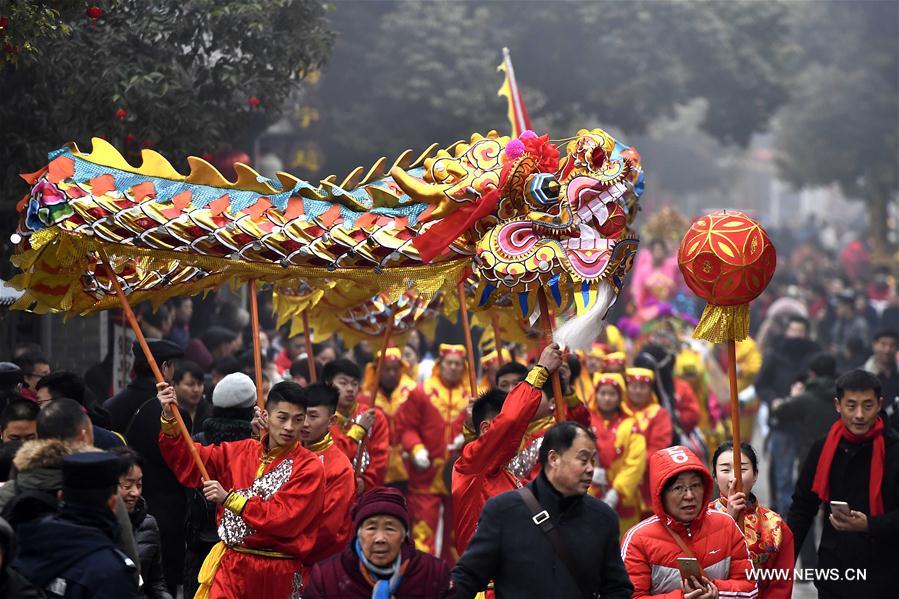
(534, 218)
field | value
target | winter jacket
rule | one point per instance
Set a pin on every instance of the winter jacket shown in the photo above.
(222, 427)
(15, 586)
(166, 498)
(781, 366)
(650, 552)
(339, 577)
(12, 584)
(31, 493)
(123, 405)
(73, 555)
(511, 550)
(810, 414)
(146, 533)
(36, 467)
(876, 550)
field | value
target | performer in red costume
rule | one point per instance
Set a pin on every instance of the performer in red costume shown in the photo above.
(334, 523)
(500, 421)
(357, 421)
(428, 424)
(525, 464)
(270, 494)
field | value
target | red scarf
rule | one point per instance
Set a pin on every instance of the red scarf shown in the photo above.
(821, 484)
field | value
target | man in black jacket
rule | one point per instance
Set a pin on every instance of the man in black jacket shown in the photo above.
(123, 405)
(857, 463)
(73, 553)
(780, 368)
(510, 548)
(810, 414)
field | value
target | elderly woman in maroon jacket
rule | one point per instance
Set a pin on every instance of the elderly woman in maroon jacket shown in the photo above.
(381, 561)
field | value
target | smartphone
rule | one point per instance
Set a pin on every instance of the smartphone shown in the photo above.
(839, 507)
(689, 566)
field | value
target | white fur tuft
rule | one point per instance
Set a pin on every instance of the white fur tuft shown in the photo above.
(580, 332)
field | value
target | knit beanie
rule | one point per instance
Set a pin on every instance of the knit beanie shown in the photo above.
(381, 501)
(234, 391)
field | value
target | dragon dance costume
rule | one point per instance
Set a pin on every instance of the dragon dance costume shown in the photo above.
(268, 523)
(431, 419)
(348, 434)
(622, 454)
(653, 422)
(396, 466)
(334, 523)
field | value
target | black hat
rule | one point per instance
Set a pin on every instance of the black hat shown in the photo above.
(10, 374)
(90, 471)
(161, 349)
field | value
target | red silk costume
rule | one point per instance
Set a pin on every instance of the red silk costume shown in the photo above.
(431, 418)
(335, 527)
(347, 434)
(526, 464)
(269, 520)
(480, 472)
(770, 543)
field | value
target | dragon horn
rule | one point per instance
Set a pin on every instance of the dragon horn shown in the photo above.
(419, 191)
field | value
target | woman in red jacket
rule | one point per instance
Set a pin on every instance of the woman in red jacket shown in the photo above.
(768, 536)
(683, 526)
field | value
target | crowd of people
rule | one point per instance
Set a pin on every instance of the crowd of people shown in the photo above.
(398, 481)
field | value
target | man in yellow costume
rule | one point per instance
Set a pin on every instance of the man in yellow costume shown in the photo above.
(428, 423)
(393, 391)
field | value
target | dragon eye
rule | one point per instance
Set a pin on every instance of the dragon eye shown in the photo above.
(542, 189)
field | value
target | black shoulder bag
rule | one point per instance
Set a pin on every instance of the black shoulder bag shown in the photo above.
(541, 518)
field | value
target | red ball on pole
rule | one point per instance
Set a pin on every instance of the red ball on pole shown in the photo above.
(728, 260)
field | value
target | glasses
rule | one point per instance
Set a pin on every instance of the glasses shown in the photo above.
(681, 490)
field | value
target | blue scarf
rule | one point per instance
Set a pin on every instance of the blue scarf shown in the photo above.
(387, 580)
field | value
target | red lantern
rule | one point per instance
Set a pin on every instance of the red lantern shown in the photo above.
(727, 260)
(94, 13)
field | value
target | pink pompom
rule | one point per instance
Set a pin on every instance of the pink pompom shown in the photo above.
(527, 134)
(514, 149)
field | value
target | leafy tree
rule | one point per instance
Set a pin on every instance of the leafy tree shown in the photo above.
(841, 124)
(405, 73)
(180, 76)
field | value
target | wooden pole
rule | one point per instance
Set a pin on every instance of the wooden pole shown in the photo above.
(310, 357)
(497, 340)
(735, 419)
(388, 332)
(132, 320)
(469, 346)
(547, 326)
(257, 352)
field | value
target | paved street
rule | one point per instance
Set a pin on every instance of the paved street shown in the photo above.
(800, 591)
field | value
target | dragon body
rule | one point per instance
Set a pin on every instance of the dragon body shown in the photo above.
(511, 210)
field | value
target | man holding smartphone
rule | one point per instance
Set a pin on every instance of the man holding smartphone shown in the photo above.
(855, 470)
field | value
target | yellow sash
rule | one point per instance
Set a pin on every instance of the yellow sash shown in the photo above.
(209, 568)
